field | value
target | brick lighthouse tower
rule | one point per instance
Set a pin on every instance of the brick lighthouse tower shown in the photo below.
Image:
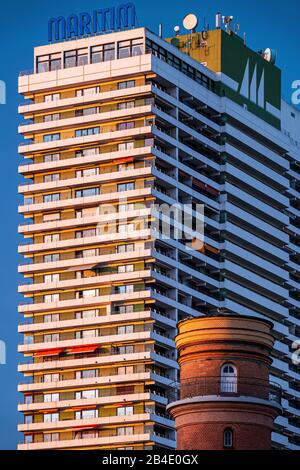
(226, 400)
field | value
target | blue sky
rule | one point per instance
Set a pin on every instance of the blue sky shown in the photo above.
(24, 25)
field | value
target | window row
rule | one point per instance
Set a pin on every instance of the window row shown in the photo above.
(84, 56)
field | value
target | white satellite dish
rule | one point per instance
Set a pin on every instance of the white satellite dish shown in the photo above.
(176, 29)
(190, 22)
(270, 55)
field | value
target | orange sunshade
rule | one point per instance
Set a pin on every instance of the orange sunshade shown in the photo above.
(48, 352)
(123, 160)
(80, 349)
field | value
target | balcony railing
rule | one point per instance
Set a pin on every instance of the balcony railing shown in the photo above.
(225, 387)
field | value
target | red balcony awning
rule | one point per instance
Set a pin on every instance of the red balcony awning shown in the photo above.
(49, 352)
(82, 349)
(123, 160)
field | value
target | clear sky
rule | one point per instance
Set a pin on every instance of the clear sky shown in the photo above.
(23, 25)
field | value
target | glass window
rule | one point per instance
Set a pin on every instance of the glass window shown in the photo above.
(52, 97)
(28, 439)
(54, 237)
(51, 137)
(88, 91)
(53, 157)
(129, 268)
(76, 57)
(48, 278)
(125, 431)
(87, 192)
(85, 132)
(103, 53)
(51, 258)
(125, 187)
(51, 197)
(228, 378)
(51, 437)
(130, 48)
(125, 411)
(126, 105)
(51, 417)
(86, 414)
(86, 394)
(50, 178)
(86, 111)
(125, 248)
(125, 125)
(125, 146)
(49, 397)
(49, 62)
(127, 84)
(127, 329)
(51, 117)
(228, 438)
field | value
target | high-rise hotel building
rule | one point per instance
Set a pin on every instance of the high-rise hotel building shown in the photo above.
(114, 124)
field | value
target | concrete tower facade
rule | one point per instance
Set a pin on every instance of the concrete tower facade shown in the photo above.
(226, 399)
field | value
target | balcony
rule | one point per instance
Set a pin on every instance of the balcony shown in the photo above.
(217, 387)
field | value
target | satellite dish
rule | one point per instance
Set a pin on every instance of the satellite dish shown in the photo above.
(176, 29)
(190, 22)
(270, 55)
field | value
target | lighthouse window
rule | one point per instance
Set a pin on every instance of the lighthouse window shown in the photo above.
(228, 438)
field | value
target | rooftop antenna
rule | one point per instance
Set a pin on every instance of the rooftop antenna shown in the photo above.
(160, 30)
(245, 39)
(236, 28)
(218, 20)
(190, 22)
(176, 30)
(227, 21)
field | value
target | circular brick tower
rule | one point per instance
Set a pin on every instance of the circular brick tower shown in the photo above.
(226, 400)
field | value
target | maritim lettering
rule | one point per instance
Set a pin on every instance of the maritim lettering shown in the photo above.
(86, 24)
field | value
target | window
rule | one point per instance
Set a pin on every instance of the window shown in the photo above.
(52, 177)
(87, 152)
(51, 437)
(87, 172)
(54, 237)
(51, 417)
(130, 48)
(125, 146)
(126, 207)
(86, 111)
(53, 157)
(49, 397)
(48, 278)
(86, 314)
(125, 187)
(126, 105)
(51, 318)
(28, 399)
(28, 439)
(86, 132)
(128, 431)
(87, 192)
(51, 137)
(86, 334)
(86, 294)
(49, 298)
(125, 370)
(127, 84)
(228, 438)
(51, 378)
(86, 414)
(49, 62)
(125, 248)
(122, 126)
(28, 419)
(129, 268)
(51, 258)
(228, 379)
(88, 91)
(51, 117)
(127, 329)
(86, 374)
(126, 228)
(125, 411)
(52, 97)
(86, 394)
(86, 233)
(51, 197)
(76, 57)
(103, 53)
(50, 338)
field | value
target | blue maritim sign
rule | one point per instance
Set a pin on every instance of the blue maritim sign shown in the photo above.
(98, 21)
